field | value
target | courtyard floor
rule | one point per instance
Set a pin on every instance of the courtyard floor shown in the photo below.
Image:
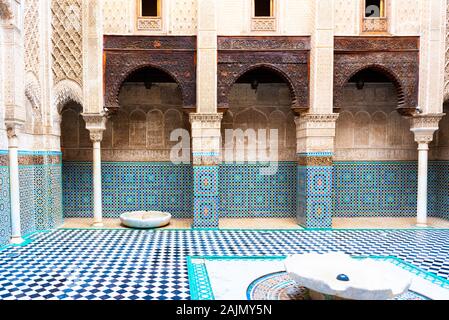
(264, 223)
(116, 264)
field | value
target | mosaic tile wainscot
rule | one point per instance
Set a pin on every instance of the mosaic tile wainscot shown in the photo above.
(40, 191)
(245, 192)
(5, 208)
(129, 186)
(388, 189)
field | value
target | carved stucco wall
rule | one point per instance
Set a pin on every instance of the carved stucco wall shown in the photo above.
(139, 131)
(31, 37)
(369, 128)
(292, 18)
(403, 17)
(440, 146)
(446, 73)
(183, 16)
(347, 13)
(117, 17)
(406, 17)
(267, 108)
(67, 41)
(179, 17)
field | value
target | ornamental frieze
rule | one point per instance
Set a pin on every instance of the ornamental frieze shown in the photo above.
(264, 43)
(315, 161)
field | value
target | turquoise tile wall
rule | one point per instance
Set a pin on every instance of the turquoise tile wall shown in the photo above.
(129, 186)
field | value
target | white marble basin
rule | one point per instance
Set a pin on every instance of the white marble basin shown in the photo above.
(145, 219)
(368, 279)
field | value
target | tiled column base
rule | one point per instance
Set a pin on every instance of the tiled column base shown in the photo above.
(314, 207)
(205, 196)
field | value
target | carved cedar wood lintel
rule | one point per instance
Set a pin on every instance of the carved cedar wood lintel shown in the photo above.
(284, 55)
(396, 57)
(174, 55)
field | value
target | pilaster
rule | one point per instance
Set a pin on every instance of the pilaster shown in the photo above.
(206, 159)
(207, 56)
(93, 95)
(315, 147)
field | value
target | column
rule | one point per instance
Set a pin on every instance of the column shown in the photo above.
(315, 146)
(423, 127)
(96, 124)
(206, 122)
(13, 146)
(206, 159)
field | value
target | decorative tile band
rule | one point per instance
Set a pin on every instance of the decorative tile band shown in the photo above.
(315, 161)
(129, 186)
(315, 154)
(27, 160)
(4, 160)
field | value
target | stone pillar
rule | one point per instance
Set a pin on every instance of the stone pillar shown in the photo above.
(96, 124)
(423, 127)
(315, 135)
(206, 97)
(206, 159)
(14, 193)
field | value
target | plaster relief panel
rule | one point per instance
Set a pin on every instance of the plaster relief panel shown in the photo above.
(117, 16)
(67, 40)
(266, 108)
(369, 128)
(31, 37)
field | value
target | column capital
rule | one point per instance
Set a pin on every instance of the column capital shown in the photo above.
(206, 137)
(315, 132)
(96, 124)
(5, 11)
(13, 129)
(207, 120)
(424, 126)
(316, 120)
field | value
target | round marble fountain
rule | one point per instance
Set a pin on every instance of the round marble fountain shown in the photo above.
(145, 219)
(338, 276)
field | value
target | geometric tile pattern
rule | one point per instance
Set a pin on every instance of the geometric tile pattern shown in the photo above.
(206, 198)
(438, 203)
(372, 189)
(40, 195)
(129, 186)
(245, 192)
(314, 195)
(145, 264)
(200, 288)
(5, 208)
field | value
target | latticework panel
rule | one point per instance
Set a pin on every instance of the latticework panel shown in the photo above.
(67, 40)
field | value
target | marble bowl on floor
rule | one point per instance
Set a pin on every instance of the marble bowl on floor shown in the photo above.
(334, 276)
(145, 219)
